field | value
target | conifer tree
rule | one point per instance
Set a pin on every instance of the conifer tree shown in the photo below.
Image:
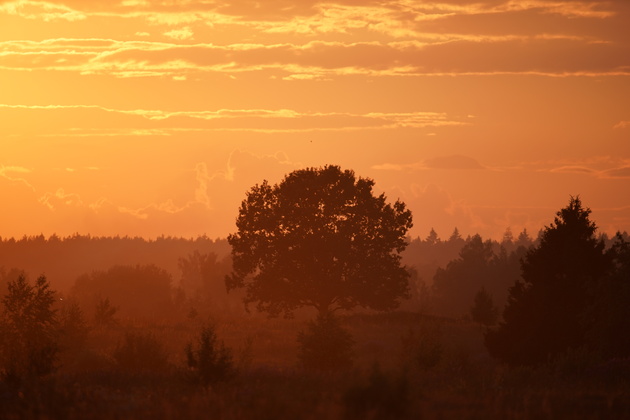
(545, 314)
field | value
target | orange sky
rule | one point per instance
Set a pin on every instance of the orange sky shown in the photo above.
(155, 117)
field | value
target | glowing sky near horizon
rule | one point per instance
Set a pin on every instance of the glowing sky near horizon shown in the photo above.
(145, 118)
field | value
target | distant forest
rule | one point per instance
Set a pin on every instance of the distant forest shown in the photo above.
(446, 274)
(62, 260)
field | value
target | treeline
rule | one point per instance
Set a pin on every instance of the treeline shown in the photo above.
(62, 260)
(450, 276)
(133, 272)
(169, 276)
(446, 274)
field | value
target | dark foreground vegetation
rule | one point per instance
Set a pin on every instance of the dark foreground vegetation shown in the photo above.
(405, 366)
(515, 329)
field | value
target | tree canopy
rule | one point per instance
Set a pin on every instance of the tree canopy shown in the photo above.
(28, 326)
(609, 311)
(141, 291)
(545, 314)
(319, 238)
(478, 267)
(484, 311)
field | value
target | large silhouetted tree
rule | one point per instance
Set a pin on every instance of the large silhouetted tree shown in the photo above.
(546, 311)
(320, 238)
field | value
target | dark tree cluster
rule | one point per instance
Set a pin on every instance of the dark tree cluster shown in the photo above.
(139, 291)
(610, 312)
(447, 274)
(484, 311)
(29, 330)
(573, 294)
(42, 333)
(478, 267)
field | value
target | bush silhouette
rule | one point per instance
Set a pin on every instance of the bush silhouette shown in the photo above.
(209, 360)
(325, 345)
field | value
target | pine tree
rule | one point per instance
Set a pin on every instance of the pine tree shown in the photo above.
(545, 314)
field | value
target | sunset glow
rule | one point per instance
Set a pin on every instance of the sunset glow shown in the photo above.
(149, 118)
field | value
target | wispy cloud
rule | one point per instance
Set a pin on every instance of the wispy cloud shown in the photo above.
(574, 170)
(392, 39)
(202, 198)
(5, 170)
(180, 34)
(452, 162)
(44, 10)
(620, 172)
(602, 167)
(102, 121)
(307, 15)
(12, 174)
(52, 200)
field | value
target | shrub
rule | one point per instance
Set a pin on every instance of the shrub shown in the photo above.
(325, 345)
(209, 360)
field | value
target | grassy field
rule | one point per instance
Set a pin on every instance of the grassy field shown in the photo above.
(405, 365)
